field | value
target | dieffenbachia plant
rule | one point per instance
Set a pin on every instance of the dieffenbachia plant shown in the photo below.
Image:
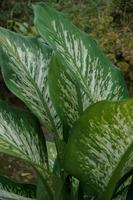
(72, 89)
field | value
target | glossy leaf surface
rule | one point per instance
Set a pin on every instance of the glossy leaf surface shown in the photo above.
(10, 190)
(100, 149)
(84, 61)
(20, 136)
(65, 94)
(25, 62)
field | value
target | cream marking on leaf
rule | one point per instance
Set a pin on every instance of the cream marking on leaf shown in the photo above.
(105, 150)
(69, 99)
(10, 192)
(9, 195)
(75, 51)
(19, 140)
(29, 76)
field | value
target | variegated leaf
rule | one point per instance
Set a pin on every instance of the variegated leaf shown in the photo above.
(100, 149)
(21, 136)
(4, 195)
(10, 190)
(65, 94)
(122, 195)
(25, 62)
(130, 191)
(87, 75)
(123, 186)
(84, 61)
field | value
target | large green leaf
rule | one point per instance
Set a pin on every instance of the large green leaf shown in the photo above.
(79, 51)
(10, 190)
(21, 136)
(25, 62)
(100, 149)
(84, 62)
(66, 95)
(25, 65)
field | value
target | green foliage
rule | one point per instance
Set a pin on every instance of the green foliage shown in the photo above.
(110, 22)
(99, 145)
(22, 191)
(81, 98)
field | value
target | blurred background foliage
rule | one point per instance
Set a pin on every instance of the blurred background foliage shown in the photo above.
(110, 22)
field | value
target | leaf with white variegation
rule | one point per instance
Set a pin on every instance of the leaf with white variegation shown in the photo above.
(65, 94)
(16, 191)
(100, 149)
(24, 61)
(122, 187)
(130, 191)
(122, 195)
(83, 59)
(21, 136)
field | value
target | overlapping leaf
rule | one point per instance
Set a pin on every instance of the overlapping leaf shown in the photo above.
(20, 136)
(25, 62)
(100, 149)
(66, 95)
(130, 191)
(84, 62)
(43, 192)
(16, 191)
(122, 190)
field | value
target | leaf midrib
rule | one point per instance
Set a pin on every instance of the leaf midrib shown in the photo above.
(55, 131)
(79, 72)
(35, 86)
